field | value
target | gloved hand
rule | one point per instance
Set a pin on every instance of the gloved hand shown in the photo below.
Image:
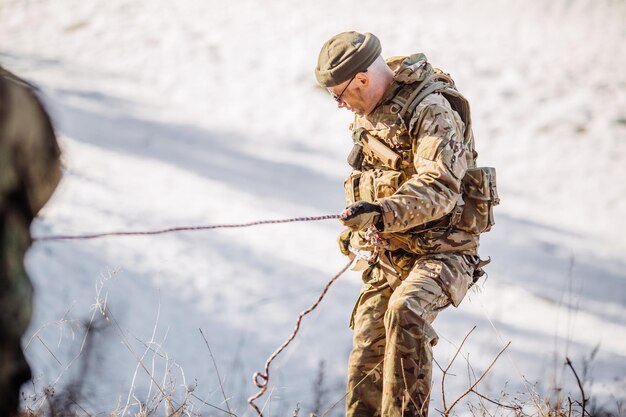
(361, 215)
(344, 241)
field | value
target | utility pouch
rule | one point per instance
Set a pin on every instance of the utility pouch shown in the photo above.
(480, 195)
(375, 184)
(386, 183)
(351, 187)
(355, 158)
(367, 186)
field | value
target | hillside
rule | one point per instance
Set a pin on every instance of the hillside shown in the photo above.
(191, 113)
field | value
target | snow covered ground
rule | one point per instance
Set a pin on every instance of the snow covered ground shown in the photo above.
(202, 112)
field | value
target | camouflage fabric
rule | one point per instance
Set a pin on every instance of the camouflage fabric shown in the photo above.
(29, 173)
(420, 198)
(389, 371)
(425, 263)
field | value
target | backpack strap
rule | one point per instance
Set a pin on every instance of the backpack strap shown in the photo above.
(416, 98)
(440, 83)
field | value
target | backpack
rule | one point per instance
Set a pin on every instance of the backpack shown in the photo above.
(479, 189)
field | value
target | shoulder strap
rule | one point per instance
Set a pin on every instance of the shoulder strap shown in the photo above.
(416, 98)
(405, 104)
(441, 85)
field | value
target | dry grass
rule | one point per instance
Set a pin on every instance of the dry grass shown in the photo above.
(170, 400)
(168, 397)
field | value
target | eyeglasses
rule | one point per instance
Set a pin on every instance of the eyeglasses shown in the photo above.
(338, 98)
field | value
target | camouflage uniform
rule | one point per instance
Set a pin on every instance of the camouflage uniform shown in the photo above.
(426, 262)
(29, 173)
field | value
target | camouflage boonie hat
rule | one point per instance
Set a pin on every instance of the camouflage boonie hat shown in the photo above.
(344, 55)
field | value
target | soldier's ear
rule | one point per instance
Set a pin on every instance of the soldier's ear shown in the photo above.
(362, 79)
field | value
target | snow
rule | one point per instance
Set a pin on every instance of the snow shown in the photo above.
(206, 112)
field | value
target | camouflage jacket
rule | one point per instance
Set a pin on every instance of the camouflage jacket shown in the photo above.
(421, 198)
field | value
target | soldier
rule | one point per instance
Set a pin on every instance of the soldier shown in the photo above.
(29, 172)
(416, 204)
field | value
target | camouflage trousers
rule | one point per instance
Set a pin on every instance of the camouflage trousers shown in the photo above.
(390, 366)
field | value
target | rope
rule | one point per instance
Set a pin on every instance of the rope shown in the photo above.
(182, 229)
(261, 379)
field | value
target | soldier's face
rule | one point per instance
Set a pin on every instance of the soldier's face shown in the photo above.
(352, 94)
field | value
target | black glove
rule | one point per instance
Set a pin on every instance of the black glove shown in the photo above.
(361, 215)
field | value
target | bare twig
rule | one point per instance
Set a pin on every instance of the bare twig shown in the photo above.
(472, 374)
(438, 366)
(511, 407)
(98, 306)
(212, 406)
(568, 362)
(59, 323)
(81, 407)
(445, 372)
(137, 358)
(532, 394)
(48, 349)
(132, 385)
(268, 401)
(219, 378)
(446, 412)
(569, 407)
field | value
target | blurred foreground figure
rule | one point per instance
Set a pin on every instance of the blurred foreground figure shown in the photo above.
(29, 172)
(416, 205)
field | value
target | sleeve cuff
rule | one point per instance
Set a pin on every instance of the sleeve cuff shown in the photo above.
(388, 215)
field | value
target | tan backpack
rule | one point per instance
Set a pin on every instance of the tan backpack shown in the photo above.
(479, 190)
